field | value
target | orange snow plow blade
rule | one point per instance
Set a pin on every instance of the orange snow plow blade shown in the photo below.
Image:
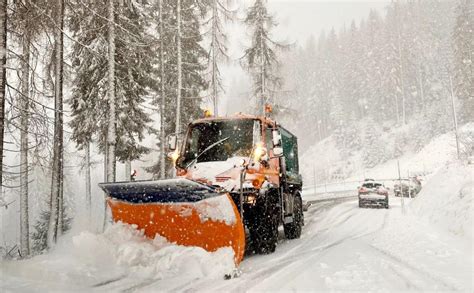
(183, 211)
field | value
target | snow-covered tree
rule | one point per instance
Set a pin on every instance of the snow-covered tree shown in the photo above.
(219, 14)
(40, 230)
(183, 75)
(55, 226)
(391, 68)
(132, 72)
(373, 151)
(22, 21)
(261, 59)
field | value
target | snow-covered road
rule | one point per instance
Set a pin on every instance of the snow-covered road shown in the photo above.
(347, 248)
(342, 248)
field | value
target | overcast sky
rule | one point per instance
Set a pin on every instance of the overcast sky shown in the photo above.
(299, 19)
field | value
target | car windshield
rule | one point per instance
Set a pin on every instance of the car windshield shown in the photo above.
(220, 140)
(372, 185)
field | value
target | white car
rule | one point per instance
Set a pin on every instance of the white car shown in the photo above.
(373, 193)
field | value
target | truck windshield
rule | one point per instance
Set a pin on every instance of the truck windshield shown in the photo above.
(231, 138)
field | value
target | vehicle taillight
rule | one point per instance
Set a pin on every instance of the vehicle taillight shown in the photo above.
(382, 191)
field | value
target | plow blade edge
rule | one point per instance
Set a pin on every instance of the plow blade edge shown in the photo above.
(183, 211)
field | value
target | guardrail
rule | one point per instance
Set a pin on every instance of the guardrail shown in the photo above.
(331, 187)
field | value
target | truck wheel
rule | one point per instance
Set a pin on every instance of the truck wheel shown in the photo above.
(293, 230)
(263, 226)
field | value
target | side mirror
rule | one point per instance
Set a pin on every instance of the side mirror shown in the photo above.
(172, 142)
(276, 138)
(278, 151)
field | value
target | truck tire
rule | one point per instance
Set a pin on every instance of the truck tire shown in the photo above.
(293, 230)
(263, 225)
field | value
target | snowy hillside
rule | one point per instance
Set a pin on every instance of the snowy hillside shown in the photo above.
(325, 163)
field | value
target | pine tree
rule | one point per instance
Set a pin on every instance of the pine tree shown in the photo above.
(396, 60)
(193, 58)
(219, 15)
(132, 72)
(39, 235)
(22, 22)
(375, 101)
(260, 59)
(373, 151)
(55, 226)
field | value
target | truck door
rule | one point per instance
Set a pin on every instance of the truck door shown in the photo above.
(290, 155)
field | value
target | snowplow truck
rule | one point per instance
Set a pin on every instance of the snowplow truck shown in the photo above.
(237, 180)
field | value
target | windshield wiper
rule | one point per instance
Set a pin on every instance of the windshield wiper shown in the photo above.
(205, 150)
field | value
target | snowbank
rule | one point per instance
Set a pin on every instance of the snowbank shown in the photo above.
(121, 255)
(124, 246)
(446, 199)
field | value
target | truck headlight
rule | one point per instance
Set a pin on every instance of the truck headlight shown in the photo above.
(174, 156)
(259, 152)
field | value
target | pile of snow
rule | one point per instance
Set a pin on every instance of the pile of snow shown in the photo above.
(125, 246)
(446, 199)
(121, 255)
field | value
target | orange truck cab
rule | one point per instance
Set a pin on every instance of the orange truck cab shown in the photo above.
(255, 160)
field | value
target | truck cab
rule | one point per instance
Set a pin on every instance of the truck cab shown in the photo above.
(255, 160)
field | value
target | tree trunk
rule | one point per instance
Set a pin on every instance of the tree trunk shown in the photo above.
(3, 77)
(455, 119)
(214, 48)
(422, 91)
(402, 84)
(88, 179)
(163, 98)
(262, 105)
(397, 108)
(128, 170)
(24, 108)
(180, 77)
(106, 156)
(55, 226)
(111, 133)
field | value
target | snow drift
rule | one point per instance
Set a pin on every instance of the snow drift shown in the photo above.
(446, 199)
(121, 256)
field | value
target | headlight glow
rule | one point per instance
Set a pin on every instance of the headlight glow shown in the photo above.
(175, 156)
(259, 152)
